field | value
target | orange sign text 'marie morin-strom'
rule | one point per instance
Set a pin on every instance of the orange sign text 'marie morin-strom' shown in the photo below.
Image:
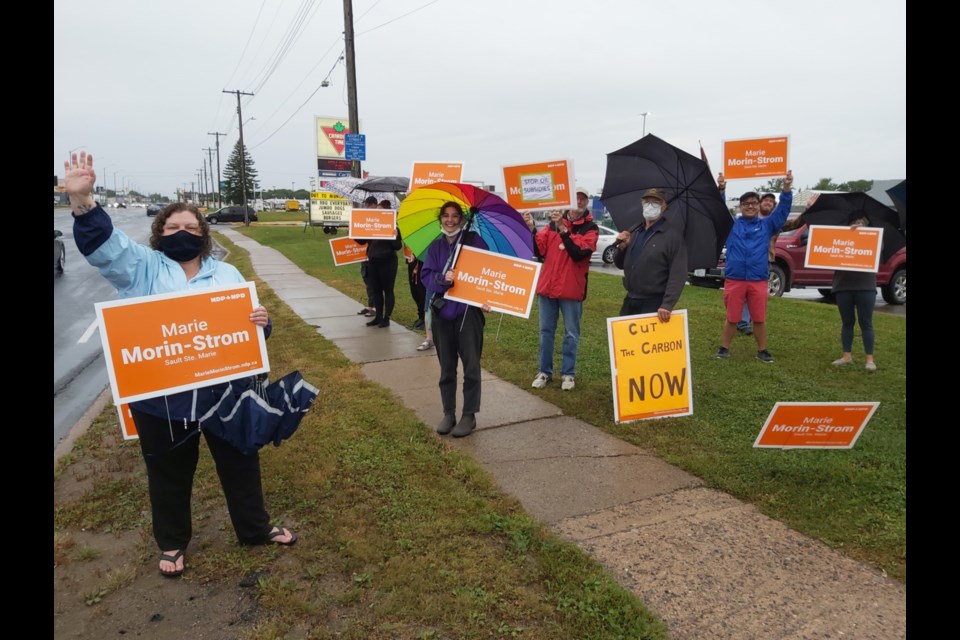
(171, 342)
(815, 425)
(755, 158)
(504, 283)
(843, 248)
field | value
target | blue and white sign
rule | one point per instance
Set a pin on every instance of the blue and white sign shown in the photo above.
(355, 146)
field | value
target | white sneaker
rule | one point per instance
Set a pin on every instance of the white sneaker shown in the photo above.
(540, 381)
(568, 383)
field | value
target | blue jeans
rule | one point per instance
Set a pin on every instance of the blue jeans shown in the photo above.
(856, 307)
(744, 323)
(550, 309)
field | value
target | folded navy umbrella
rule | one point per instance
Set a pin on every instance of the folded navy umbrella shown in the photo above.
(248, 416)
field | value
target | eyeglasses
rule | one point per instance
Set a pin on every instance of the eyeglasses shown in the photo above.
(750, 203)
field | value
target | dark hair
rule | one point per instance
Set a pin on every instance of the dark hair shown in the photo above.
(370, 200)
(450, 203)
(386, 204)
(156, 229)
(750, 194)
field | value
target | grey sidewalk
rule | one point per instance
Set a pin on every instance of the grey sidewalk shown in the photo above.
(709, 565)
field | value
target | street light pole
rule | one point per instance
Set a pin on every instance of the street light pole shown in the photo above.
(644, 114)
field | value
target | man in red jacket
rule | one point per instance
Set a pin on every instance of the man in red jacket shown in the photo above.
(564, 245)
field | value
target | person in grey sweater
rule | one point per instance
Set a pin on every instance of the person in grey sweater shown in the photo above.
(856, 295)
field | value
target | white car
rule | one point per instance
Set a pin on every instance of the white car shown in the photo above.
(605, 246)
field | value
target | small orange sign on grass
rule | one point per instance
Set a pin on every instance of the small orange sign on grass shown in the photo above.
(347, 251)
(815, 425)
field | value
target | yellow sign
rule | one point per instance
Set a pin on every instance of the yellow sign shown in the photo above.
(844, 248)
(170, 342)
(328, 208)
(650, 366)
(504, 283)
(425, 173)
(815, 425)
(541, 185)
(373, 224)
(755, 158)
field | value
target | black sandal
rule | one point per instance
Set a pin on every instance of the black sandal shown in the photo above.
(282, 532)
(173, 560)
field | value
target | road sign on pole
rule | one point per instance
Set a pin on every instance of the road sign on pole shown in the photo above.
(355, 146)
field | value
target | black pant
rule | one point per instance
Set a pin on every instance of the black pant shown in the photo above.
(382, 273)
(417, 290)
(364, 273)
(461, 337)
(636, 306)
(170, 471)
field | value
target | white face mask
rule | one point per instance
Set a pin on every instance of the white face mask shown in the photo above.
(651, 211)
(450, 234)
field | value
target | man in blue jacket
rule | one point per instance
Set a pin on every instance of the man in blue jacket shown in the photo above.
(747, 268)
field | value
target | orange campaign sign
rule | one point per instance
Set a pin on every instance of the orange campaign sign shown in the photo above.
(844, 248)
(815, 425)
(755, 157)
(650, 366)
(425, 173)
(505, 283)
(347, 251)
(542, 185)
(373, 224)
(170, 342)
(127, 427)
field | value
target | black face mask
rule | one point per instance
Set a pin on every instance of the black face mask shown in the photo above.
(181, 246)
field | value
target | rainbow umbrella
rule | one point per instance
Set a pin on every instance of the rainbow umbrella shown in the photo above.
(498, 224)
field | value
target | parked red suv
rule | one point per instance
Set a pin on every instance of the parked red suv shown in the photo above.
(788, 271)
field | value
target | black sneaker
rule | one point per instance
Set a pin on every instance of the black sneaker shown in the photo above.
(723, 353)
(764, 356)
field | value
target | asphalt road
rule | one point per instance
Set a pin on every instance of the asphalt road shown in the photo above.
(79, 370)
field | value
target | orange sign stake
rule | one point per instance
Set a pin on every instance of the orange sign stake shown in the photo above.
(815, 425)
(843, 248)
(505, 283)
(162, 344)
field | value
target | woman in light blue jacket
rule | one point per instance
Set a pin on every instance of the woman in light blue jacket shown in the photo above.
(177, 259)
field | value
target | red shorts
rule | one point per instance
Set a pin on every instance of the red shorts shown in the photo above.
(752, 292)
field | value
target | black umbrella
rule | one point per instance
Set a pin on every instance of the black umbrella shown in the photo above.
(898, 194)
(391, 184)
(837, 208)
(692, 195)
(249, 415)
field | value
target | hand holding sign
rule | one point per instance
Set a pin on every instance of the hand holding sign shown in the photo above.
(788, 181)
(260, 317)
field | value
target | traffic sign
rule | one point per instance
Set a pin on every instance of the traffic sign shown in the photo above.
(355, 146)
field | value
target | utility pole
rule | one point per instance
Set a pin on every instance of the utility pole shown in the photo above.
(219, 194)
(209, 151)
(351, 76)
(243, 157)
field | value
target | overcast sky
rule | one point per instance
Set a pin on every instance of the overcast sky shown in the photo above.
(139, 84)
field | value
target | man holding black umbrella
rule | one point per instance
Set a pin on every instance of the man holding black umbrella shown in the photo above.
(653, 257)
(747, 268)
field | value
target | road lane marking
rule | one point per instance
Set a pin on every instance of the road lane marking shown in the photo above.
(89, 332)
